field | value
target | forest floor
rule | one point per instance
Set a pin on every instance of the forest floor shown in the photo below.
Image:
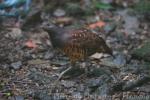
(29, 66)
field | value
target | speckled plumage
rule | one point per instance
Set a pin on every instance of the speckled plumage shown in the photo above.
(77, 44)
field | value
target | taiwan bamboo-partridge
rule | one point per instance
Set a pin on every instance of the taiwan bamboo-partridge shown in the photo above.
(77, 44)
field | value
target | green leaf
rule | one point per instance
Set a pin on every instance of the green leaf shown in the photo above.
(103, 6)
(8, 94)
(143, 6)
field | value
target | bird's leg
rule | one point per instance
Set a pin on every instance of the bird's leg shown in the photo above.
(62, 73)
(56, 83)
(65, 71)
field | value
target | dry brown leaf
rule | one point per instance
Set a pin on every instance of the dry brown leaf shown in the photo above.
(30, 44)
(97, 24)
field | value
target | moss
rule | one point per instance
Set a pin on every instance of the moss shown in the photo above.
(143, 6)
(143, 52)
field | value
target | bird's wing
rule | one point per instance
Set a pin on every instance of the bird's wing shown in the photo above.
(86, 39)
(81, 43)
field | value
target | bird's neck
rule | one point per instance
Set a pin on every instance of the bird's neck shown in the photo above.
(55, 34)
(54, 31)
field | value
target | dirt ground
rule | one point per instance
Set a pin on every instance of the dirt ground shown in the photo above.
(30, 66)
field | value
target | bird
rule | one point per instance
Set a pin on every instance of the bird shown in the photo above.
(14, 5)
(77, 44)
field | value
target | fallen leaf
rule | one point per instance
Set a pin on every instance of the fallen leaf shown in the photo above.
(97, 55)
(37, 61)
(15, 33)
(30, 44)
(64, 20)
(97, 24)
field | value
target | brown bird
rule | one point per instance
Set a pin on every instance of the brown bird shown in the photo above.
(77, 44)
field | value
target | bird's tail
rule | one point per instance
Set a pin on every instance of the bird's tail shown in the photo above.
(108, 50)
(104, 48)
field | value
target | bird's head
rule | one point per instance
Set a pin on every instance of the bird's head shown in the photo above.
(53, 31)
(56, 35)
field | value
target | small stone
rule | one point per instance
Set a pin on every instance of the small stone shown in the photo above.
(19, 97)
(142, 52)
(37, 61)
(48, 55)
(96, 72)
(77, 95)
(68, 84)
(93, 82)
(16, 65)
(74, 9)
(16, 33)
(43, 95)
(5, 66)
(103, 90)
(60, 63)
(107, 1)
(109, 28)
(59, 13)
(120, 60)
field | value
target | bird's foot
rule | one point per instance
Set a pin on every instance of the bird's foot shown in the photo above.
(61, 75)
(71, 72)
